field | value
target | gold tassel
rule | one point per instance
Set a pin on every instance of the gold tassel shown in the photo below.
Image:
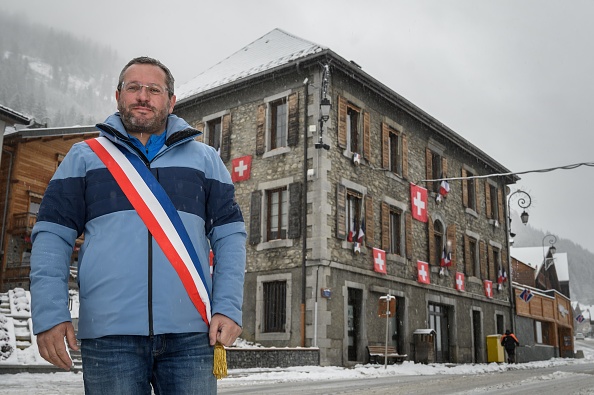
(220, 361)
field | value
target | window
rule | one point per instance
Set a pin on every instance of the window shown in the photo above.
(499, 322)
(277, 214)
(395, 231)
(213, 133)
(275, 300)
(353, 213)
(436, 169)
(278, 123)
(438, 244)
(495, 264)
(494, 201)
(394, 152)
(353, 128)
(471, 256)
(471, 191)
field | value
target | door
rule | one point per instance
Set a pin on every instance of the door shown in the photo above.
(477, 336)
(438, 321)
(354, 322)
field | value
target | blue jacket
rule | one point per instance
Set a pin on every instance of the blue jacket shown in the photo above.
(127, 286)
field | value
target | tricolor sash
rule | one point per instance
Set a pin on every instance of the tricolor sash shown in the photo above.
(158, 213)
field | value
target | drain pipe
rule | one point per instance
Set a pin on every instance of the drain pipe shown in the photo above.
(8, 179)
(304, 213)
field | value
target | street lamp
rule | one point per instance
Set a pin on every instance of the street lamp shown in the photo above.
(524, 202)
(552, 250)
(325, 107)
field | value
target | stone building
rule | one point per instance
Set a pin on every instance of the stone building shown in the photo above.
(315, 277)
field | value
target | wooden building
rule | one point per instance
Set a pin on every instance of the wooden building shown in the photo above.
(30, 158)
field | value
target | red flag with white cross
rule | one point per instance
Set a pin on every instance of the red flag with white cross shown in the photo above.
(423, 272)
(460, 282)
(418, 202)
(488, 288)
(379, 261)
(241, 168)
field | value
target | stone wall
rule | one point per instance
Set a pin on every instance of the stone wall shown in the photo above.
(246, 358)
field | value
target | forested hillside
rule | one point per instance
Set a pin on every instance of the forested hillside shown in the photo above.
(55, 77)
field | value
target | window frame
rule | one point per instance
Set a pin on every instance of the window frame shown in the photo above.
(394, 158)
(282, 214)
(259, 317)
(396, 219)
(276, 124)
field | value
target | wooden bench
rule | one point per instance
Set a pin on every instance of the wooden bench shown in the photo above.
(377, 354)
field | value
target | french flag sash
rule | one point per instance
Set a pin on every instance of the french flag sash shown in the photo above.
(158, 213)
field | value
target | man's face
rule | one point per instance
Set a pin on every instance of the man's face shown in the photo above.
(141, 110)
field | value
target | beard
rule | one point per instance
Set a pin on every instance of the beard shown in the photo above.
(138, 124)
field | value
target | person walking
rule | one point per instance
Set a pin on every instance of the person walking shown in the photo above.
(509, 341)
(151, 202)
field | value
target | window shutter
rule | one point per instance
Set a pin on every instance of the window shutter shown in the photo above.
(477, 188)
(385, 214)
(369, 234)
(293, 132)
(385, 146)
(444, 168)
(367, 138)
(483, 259)
(255, 217)
(226, 138)
(505, 264)
(464, 189)
(341, 232)
(261, 129)
(500, 205)
(342, 125)
(491, 273)
(488, 200)
(431, 241)
(409, 235)
(294, 210)
(468, 264)
(451, 236)
(404, 156)
(429, 170)
(199, 126)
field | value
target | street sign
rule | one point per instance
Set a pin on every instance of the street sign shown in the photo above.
(383, 309)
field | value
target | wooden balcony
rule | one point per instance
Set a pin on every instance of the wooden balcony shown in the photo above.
(22, 223)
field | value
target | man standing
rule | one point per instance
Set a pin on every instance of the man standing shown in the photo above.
(509, 341)
(151, 202)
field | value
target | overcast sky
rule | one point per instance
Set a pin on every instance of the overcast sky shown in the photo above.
(513, 77)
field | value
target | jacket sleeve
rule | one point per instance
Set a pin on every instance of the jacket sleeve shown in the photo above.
(227, 237)
(59, 222)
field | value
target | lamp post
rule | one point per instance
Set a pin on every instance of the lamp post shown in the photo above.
(552, 240)
(325, 107)
(524, 201)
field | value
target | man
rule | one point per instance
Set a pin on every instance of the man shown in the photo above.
(509, 341)
(141, 321)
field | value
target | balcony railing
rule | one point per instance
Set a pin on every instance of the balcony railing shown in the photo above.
(23, 223)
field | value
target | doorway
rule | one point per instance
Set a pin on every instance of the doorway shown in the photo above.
(355, 297)
(438, 321)
(477, 335)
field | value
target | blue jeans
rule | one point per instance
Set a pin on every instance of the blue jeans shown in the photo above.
(128, 365)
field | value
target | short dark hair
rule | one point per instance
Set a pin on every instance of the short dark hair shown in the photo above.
(169, 80)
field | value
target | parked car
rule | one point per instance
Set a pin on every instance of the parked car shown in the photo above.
(579, 336)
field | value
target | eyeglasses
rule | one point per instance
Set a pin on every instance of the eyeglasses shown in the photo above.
(136, 87)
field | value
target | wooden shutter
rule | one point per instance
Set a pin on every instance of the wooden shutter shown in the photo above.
(431, 241)
(385, 223)
(367, 137)
(477, 188)
(464, 189)
(429, 170)
(341, 231)
(444, 168)
(200, 126)
(451, 237)
(409, 235)
(492, 262)
(483, 259)
(261, 129)
(369, 228)
(385, 146)
(295, 205)
(404, 156)
(293, 132)
(488, 200)
(255, 217)
(468, 264)
(500, 206)
(226, 138)
(342, 124)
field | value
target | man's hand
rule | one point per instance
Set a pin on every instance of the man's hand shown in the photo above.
(223, 330)
(52, 347)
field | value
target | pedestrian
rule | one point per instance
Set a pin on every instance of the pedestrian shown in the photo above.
(151, 203)
(509, 341)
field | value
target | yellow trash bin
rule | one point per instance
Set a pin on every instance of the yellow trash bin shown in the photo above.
(495, 352)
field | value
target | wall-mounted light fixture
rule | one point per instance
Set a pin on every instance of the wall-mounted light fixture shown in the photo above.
(552, 250)
(325, 107)
(524, 202)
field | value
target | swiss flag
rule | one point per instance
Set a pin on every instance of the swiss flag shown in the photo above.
(241, 168)
(379, 261)
(488, 288)
(418, 201)
(423, 272)
(460, 282)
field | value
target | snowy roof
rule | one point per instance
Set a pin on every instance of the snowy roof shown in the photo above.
(13, 116)
(533, 257)
(272, 50)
